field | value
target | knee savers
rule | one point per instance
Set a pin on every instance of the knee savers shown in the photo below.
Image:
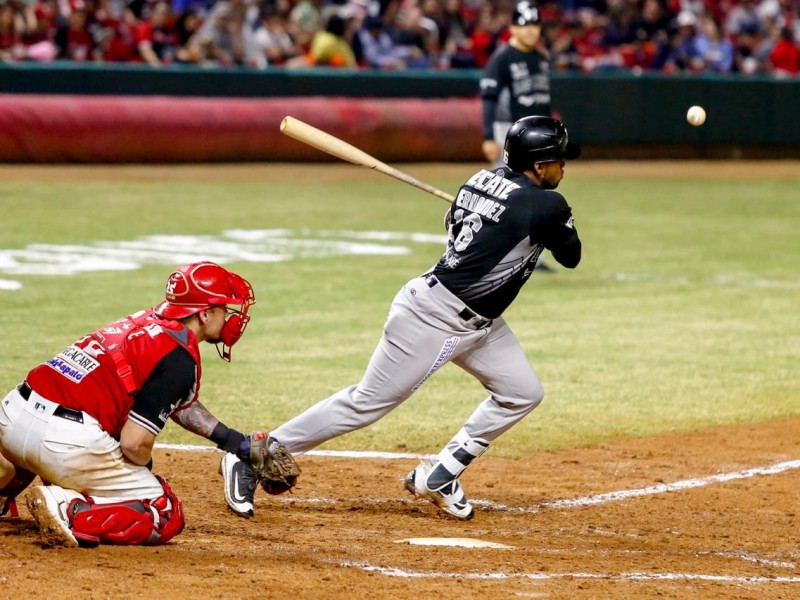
(132, 522)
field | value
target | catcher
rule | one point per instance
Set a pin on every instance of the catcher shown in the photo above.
(87, 419)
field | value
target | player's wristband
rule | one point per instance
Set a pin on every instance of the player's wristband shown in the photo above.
(227, 439)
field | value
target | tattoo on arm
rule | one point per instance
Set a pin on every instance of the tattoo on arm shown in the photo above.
(197, 419)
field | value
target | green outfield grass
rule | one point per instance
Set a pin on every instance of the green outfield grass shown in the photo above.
(683, 314)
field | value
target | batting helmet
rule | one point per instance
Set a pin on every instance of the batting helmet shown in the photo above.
(525, 13)
(537, 139)
(198, 286)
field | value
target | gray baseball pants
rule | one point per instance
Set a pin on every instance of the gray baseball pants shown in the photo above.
(422, 333)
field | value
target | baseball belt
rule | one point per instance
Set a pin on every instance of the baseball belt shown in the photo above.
(61, 411)
(469, 316)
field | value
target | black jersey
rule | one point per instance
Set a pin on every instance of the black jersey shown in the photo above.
(498, 225)
(517, 84)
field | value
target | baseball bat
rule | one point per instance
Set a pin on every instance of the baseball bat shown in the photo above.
(334, 146)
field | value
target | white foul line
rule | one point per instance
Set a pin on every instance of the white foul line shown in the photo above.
(336, 453)
(396, 572)
(661, 488)
(569, 503)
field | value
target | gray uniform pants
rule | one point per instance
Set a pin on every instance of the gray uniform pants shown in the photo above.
(422, 333)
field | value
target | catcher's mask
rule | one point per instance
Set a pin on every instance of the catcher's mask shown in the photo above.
(199, 286)
(538, 139)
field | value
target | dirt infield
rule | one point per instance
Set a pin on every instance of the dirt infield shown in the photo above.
(709, 514)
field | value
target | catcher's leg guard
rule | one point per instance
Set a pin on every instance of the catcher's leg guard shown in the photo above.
(9, 493)
(131, 522)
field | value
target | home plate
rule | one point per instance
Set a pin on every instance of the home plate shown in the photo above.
(460, 542)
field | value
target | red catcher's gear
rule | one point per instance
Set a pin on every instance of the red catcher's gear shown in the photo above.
(131, 522)
(198, 286)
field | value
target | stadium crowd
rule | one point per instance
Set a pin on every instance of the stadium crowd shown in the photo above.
(667, 36)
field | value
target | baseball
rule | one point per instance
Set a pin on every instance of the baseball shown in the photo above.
(696, 116)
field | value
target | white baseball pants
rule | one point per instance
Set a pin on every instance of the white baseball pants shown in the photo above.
(73, 455)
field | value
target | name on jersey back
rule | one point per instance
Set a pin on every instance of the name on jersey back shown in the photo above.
(490, 184)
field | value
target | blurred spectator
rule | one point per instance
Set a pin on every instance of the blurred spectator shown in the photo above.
(586, 35)
(39, 37)
(682, 53)
(714, 50)
(221, 38)
(483, 42)
(745, 56)
(305, 19)
(743, 18)
(456, 45)
(588, 41)
(272, 42)
(377, 48)
(559, 38)
(418, 34)
(11, 48)
(156, 37)
(73, 38)
(115, 32)
(784, 60)
(653, 20)
(330, 47)
(619, 28)
(187, 25)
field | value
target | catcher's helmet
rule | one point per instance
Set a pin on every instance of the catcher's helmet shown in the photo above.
(538, 139)
(525, 13)
(198, 286)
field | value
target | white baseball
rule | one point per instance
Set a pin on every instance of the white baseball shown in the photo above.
(696, 116)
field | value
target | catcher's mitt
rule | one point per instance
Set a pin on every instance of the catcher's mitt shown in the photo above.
(274, 465)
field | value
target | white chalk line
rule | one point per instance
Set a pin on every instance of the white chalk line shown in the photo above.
(594, 500)
(567, 503)
(634, 576)
(365, 454)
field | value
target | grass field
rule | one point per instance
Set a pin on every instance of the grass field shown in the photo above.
(683, 313)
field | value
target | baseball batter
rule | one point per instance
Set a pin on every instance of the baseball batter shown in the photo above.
(86, 420)
(498, 225)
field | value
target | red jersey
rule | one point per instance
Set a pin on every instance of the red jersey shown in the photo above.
(100, 372)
